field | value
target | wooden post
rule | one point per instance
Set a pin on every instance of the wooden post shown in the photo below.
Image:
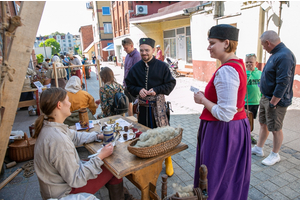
(164, 186)
(21, 48)
(98, 70)
(13, 175)
(55, 74)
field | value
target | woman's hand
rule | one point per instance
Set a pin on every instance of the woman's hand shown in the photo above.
(198, 97)
(106, 151)
(98, 102)
(100, 136)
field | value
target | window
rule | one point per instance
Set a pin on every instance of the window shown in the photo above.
(70, 45)
(105, 11)
(58, 41)
(170, 33)
(126, 21)
(64, 40)
(65, 45)
(120, 24)
(115, 26)
(69, 37)
(69, 40)
(107, 27)
(65, 49)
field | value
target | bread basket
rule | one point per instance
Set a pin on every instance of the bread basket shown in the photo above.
(22, 150)
(155, 150)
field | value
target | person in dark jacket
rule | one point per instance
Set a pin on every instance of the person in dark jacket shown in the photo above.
(276, 86)
(151, 79)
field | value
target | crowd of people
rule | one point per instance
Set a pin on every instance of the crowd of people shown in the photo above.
(224, 135)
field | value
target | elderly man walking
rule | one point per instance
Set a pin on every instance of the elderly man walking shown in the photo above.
(277, 93)
(151, 79)
(132, 57)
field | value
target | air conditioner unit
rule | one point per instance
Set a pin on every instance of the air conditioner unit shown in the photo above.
(141, 10)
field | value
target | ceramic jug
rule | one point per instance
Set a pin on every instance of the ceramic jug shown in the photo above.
(108, 133)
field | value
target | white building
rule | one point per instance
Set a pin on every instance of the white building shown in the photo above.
(67, 42)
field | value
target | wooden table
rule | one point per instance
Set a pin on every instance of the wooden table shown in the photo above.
(31, 102)
(141, 172)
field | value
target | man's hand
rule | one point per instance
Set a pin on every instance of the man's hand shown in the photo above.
(143, 93)
(106, 151)
(151, 92)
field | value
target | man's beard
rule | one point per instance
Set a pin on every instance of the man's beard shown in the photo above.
(147, 59)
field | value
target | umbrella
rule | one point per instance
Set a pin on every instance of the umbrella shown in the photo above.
(109, 48)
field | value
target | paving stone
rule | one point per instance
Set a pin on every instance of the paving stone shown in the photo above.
(287, 164)
(256, 168)
(294, 172)
(287, 191)
(255, 181)
(185, 177)
(297, 155)
(277, 196)
(33, 191)
(294, 160)
(262, 176)
(266, 198)
(288, 177)
(295, 186)
(269, 186)
(271, 172)
(255, 194)
(279, 181)
(279, 167)
(288, 150)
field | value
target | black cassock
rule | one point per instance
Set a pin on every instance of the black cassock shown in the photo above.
(159, 78)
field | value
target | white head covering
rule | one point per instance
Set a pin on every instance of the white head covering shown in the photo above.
(157, 45)
(55, 59)
(73, 85)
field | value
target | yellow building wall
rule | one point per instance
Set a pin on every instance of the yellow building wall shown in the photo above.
(156, 30)
(104, 18)
(89, 54)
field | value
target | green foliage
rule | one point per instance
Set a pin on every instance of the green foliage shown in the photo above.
(53, 44)
(57, 33)
(40, 58)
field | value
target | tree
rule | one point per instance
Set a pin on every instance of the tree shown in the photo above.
(55, 46)
(40, 58)
(57, 33)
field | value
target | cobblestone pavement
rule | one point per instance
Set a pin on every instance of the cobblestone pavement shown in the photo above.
(281, 181)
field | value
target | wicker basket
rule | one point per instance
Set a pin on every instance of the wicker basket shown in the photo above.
(155, 150)
(22, 150)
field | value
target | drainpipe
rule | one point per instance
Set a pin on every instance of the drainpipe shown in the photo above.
(280, 9)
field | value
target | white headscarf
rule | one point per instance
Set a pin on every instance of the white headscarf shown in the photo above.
(73, 85)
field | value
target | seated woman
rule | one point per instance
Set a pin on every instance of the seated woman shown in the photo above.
(56, 162)
(61, 73)
(108, 91)
(79, 99)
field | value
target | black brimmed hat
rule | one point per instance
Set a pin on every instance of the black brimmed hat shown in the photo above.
(148, 41)
(224, 32)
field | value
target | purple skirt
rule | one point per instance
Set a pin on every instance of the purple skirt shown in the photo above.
(225, 148)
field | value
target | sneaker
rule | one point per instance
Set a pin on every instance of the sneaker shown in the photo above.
(257, 151)
(253, 141)
(271, 159)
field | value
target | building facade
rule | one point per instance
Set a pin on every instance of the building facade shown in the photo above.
(125, 11)
(67, 42)
(102, 28)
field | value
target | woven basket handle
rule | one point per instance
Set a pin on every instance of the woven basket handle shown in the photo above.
(26, 139)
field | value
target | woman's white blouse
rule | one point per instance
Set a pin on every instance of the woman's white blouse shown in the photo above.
(227, 83)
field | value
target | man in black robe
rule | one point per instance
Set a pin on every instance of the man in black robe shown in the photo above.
(150, 78)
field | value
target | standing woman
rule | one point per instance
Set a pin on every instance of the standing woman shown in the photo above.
(56, 162)
(61, 73)
(224, 142)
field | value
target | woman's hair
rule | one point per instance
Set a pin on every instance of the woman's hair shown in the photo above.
(107, 75)
(48, 102)
(231, 47)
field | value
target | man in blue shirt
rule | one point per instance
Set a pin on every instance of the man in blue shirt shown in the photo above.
(276, 86)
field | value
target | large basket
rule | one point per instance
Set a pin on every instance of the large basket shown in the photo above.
(22, 150)
(155, 150)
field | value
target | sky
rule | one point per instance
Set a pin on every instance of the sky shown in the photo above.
(64, 17)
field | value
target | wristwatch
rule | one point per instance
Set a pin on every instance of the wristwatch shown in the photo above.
(272, 105)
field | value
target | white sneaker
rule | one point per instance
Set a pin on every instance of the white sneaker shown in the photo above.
(271, 159)
(257, 151)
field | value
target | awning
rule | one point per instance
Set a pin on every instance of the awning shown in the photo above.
(109, 48)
